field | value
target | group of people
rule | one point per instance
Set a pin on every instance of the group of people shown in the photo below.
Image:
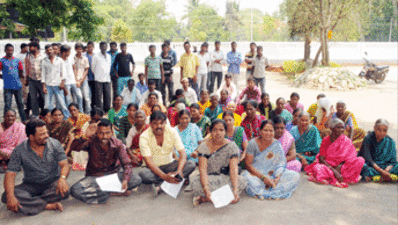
(237, 139)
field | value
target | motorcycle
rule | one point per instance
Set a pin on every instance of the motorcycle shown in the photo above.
(373, 72)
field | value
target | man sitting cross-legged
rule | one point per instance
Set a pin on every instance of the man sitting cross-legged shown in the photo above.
(45, 169)
(104, 151)
(157, 145)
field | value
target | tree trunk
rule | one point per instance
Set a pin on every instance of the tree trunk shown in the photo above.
(307, 48)
(317, 56)
(395, 7)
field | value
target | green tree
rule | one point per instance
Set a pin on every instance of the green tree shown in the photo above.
(255, 15)
(6, 22)
(120, 32)
(40, 14)
(232, 20)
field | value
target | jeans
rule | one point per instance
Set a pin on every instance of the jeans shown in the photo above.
(91, 85)
(148, 177)
(168, 81)
(35, 93)
(260, 81)
(55, 93)
(74, 95)
(121, 83)
(202, 82)
(8, 93)
(86, 96)
(213, 81)
(158, 83)
(103, 95)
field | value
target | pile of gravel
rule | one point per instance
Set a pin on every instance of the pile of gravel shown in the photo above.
(330, 79)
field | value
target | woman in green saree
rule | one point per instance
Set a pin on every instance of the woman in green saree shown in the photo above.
(307, 140)
(379, 151)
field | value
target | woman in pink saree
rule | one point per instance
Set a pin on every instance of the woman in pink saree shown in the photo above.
(337, 162)
(12, 133)
(288, 144)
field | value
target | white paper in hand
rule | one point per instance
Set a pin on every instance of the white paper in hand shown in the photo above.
(172, 189)
(222, 196)
(110, 183)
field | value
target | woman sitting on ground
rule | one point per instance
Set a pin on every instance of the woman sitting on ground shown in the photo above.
(228, 86)
(323, 116)
(12, 133)
(337, 163)
(379, 151)
(296, 114)
(45, 115)
(204, 101)
(218, 166)
(232, 107)
(307, 140)
(153, 99)
(235, 133)
(180, 94)
(252, 121)
(265, 107)
(60, 129)
(352, 130)
(288, 145)
(224, 99)
(77, 119)
(214, 110)
(294, 103)
(172, 112)
(266, 173)
(203, 122)
(281, 111)
(127, 122)
(133, 138)
(190, 134)
(117, 112)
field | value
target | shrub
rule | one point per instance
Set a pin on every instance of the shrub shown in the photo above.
(334, 65)
(293, 67)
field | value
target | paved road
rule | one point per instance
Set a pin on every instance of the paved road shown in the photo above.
(311, 203)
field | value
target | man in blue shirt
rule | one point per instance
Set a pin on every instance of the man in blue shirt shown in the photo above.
(113, 53)
(234, 59)
(12, 74)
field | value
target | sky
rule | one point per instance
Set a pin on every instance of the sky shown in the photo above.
(177, 7)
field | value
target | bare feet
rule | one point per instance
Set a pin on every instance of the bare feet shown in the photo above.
(54, 206)
(126, 193)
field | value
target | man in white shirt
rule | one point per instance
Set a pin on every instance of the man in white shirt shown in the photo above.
(70, 79)
(189, 93)
(101, 66)
(53, 80)
(260, 63)
(22, 56)
(217, 58)
(151, 88)
(130, 94)
(204, 60)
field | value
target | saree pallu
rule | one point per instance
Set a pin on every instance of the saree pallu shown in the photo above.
(382, 153)
(11, 137)
(213, 114)
(271, 162)
(78, 124)
(60, 133)
(239, 137)
(308, 143)
(203, 124)
(203, 107)
(124, 128)
(172, 115)
(223, 104)
(134, 149)
(286, 141)
(289, 108)
(359, 134)
(341, 151)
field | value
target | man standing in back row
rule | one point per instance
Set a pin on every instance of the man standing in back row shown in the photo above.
(122, 67)
(216, 59)
(234, 59)
(249, 59)
(154, 68)
(101, 66)
(189, 64)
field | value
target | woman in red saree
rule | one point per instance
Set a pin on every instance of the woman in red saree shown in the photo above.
(337, 162)
(133, 138)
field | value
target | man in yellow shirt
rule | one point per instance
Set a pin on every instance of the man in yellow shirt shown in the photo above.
(189, 64)
(157, 145)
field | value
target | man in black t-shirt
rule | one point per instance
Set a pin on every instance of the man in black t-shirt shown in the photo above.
(168, 73)
(122, 67)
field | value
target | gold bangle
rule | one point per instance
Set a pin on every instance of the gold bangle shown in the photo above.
(63, 176)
